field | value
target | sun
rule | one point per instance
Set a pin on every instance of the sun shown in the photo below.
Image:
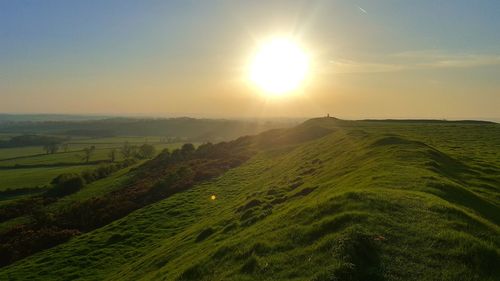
(279, 67)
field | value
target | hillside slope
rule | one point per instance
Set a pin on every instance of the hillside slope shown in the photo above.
(327, 200)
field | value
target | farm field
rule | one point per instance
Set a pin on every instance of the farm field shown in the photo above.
(32, 177)
(17, 152)
(24, 167)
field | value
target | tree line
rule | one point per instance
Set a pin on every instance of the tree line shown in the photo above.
(144, 151)
(31, 140)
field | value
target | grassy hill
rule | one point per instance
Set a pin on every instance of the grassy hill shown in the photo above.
(326, 200)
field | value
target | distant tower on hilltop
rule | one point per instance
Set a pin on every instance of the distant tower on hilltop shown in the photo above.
(328, 115)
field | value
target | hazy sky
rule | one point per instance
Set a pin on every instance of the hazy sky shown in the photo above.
(428, 59)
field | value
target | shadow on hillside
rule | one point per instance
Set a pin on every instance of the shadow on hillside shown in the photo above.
(450, 168)
(461, 196)
(457, 171)
(439, 161)
(395, 140)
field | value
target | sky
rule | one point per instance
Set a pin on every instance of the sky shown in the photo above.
(368, 59)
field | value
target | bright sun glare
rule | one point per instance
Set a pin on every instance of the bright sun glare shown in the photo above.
(279, 67)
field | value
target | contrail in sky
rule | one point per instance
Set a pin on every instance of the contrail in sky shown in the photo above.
(362, 10)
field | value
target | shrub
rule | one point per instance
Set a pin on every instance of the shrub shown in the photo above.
(146, 151)
(187, 148)
(66, 184)
(105, 170)
(22, 242)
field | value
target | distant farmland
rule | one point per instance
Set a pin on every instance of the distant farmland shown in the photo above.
(24, 167)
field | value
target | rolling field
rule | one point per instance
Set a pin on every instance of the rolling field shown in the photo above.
(31, 177)
(73, 156)
(30, 166)
(327, 200)
(118, 140)
(17, 152)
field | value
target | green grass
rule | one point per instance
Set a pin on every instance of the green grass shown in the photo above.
(7, 225)
(41, 168)
(7, 153)
(118, 140)
(384, 201)
(95, 189)
(30, 177)
(72, 157)
(36, 155)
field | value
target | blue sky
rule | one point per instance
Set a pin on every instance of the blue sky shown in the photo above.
(436, 59)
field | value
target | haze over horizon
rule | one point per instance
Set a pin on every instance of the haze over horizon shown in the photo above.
(384, 59)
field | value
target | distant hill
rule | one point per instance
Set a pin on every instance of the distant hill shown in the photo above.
(328, 199)
(430, 121)
(46, 117)
(188, 129)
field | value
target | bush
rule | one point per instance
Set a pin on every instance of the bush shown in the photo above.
(105, 170)
(187, 148)
(66, 184)
(146, 151)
